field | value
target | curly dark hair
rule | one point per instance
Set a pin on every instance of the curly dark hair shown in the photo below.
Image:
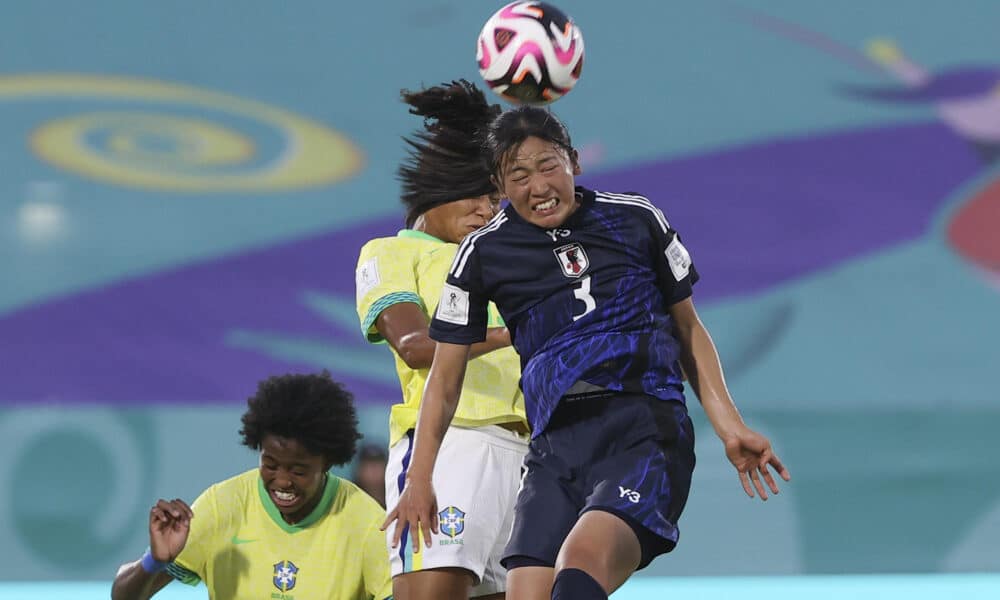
(312, 409)
(446, 161)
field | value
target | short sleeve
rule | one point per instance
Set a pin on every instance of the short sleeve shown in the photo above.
(461, 315)
(190, 565)
(675, 270)
(385, 276)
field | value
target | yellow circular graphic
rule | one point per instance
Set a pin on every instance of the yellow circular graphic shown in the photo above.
(190, 141)
(183, 150)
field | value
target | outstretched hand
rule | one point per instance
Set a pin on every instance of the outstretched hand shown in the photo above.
(751, 454)
(416, 511)
(169, 525)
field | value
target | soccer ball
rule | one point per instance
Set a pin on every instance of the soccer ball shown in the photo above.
(530, 53)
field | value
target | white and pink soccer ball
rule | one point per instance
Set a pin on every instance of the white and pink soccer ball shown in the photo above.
(530, 53)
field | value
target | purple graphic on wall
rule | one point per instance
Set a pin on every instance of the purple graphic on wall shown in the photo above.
(753, 217)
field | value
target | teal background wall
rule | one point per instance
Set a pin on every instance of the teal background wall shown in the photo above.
(184, 188)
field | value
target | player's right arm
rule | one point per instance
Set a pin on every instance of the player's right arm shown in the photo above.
(169, 525)
(406, 328)
(389, 302)
(417, 506)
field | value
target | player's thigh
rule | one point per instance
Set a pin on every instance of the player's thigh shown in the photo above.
(502, 460)
(604, 546)
(449, 583)
(646, 482)
(548, 503)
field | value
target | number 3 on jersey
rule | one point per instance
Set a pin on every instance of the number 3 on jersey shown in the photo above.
(582, 293)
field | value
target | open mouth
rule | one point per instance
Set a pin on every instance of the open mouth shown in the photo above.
(284, 499)
(547, 207)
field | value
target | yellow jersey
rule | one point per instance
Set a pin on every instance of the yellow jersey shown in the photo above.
(412, 267)
(243, 550)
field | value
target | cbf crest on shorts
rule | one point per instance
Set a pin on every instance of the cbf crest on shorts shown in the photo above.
(572, 259)
(452, 521)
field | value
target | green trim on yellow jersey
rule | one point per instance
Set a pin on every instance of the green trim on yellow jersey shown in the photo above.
(419, 235)
(368, 326)
(412, 266)
(240, 547)
(183, 575)
(329, 492)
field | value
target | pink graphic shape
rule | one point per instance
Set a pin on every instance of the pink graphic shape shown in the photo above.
(486, 59)
(508, 12)
(566, 57)
(973, 230)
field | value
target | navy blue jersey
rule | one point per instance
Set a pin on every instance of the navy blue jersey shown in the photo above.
(587, 301)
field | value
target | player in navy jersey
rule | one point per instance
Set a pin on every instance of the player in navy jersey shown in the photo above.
(595, 289)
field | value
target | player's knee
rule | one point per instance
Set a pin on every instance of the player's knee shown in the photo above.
(603, 546)
(575, 584)
(587, 555)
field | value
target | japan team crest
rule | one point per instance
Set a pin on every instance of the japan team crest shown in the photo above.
(285, 574)
(572, 259)
(452, 521)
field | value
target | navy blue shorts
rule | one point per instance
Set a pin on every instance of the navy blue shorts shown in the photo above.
(628, 454)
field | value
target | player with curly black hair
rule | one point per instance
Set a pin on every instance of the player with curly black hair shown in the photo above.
(286, 525)
(315, 410)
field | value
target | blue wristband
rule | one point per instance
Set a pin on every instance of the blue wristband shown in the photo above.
(150, 564)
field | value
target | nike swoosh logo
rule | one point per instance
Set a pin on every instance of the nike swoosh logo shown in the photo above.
(238, 540)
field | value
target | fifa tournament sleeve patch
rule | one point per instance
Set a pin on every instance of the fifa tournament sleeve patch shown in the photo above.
(367, 277)
(454, 305)
(678, 259)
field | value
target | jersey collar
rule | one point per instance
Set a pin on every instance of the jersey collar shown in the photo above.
(418, 235)
(585, 196)
(586, 201)
(329, 491)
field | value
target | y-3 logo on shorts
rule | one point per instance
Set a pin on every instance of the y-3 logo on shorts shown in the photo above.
(632, 495)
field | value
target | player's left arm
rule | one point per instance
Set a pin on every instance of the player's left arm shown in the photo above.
(749, 451)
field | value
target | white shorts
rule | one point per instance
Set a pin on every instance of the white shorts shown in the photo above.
(475, 478)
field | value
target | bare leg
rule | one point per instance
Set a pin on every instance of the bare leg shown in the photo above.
(449, 583)
(603, 546)
(530, 583)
